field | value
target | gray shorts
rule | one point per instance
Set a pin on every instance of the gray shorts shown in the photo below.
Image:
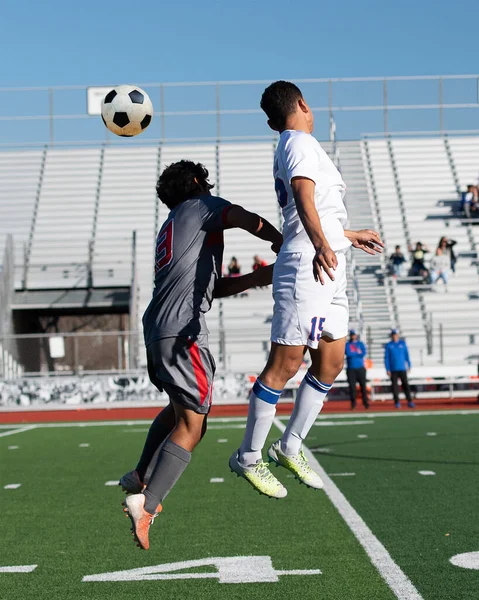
(184, 369)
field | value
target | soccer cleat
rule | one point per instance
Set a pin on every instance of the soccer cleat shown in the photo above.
(297, 464)
(140, 518)
(259, 476)
(397, 405)
(411, 404)
(131, 483)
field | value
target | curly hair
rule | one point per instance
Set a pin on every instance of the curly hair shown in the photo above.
(182, 181)
(279, 101)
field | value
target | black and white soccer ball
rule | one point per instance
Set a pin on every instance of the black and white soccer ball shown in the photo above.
(126, 110)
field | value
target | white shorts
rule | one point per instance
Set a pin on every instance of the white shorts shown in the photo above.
(303, 308)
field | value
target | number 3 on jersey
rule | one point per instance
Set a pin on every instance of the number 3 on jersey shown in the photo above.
(314, 321)
(281, 192)
(164, 247)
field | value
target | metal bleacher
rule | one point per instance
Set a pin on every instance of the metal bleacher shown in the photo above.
(416, 186)
(70, 207)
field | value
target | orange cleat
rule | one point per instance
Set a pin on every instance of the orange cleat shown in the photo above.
(140, 518)
(131, 483)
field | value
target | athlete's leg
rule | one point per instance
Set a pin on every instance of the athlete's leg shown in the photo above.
(327, 363)
(160, 429)
(405, 385)
(362, 384)
(283, 363)
(174, 455)
(351, 374)
(395, 386)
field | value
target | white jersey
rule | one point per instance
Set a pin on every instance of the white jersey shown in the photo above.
(299, 154)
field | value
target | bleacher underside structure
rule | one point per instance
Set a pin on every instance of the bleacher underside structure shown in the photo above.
(72, 212)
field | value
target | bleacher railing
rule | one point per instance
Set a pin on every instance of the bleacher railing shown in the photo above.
(222, 110)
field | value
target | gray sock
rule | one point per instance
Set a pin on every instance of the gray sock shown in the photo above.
(156, 436)
(172, 461)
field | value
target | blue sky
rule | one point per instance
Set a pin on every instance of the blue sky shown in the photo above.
(64, 42)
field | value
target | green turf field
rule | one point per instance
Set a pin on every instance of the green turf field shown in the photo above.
(64, 519)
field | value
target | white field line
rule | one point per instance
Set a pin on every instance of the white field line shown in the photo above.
(374, 415)
(392, 574)
(341, 424)
(214, 420)
(217, 480)
(112, 482)
(18, 569)
(426, 472)
(12, 432)
(12, 486)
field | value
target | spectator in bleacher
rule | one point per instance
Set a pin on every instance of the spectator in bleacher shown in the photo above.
(440, 267)
(355, 368)
(234, 268)
(466, 201)
(418, 267)
(258, 262)
(396, 261)
(447, 247)
(470, 201)
(398, 363)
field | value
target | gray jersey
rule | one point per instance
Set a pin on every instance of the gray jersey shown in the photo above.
(189, 256)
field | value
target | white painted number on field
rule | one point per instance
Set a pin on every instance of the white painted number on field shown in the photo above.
(18, 569)
(235, 569)
(468, 560)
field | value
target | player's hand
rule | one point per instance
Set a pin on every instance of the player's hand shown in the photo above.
(389, 373)
(324, 261)
(368, 241)
(263, 276)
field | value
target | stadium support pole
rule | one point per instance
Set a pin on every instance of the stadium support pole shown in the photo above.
(50, 108)
(441, 345)
(385, 102)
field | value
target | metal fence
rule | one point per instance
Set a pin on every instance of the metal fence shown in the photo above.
(230, 109)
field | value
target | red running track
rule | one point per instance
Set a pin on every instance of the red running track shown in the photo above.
(231, 410)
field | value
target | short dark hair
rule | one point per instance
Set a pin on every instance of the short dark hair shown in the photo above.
(279, 101)
(182, 181)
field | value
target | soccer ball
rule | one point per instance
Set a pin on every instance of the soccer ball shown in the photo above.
(126, 110)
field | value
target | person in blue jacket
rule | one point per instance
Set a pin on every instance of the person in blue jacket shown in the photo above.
(398, 363)
(355, 369)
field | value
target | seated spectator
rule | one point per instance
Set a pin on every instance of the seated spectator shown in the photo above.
(447, 247)
(470, 202)
(418, 268)
(396, 261)
(234, 268)
(440, 267)
(258, 262)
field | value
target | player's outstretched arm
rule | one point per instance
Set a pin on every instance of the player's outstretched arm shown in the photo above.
(237, 216)
(365, 239)
(229, 286)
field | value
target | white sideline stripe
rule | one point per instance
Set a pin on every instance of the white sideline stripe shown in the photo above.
(12, 486)
(392, 574)
(240, 426)
(27, 428)
(112, 482)
(217, 480)
(426, 472)
(339, 424)
(418, 413)
(341, 474)
(18, 569)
